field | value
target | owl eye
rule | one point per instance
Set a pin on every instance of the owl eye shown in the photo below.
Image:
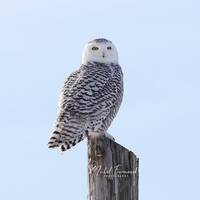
(109, 48)
(95, 48)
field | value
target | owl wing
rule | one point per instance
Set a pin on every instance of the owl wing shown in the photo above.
(86, 92)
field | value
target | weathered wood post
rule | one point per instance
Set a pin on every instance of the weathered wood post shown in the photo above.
(112, 171)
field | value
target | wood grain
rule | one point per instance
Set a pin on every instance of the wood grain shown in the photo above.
(112, 171)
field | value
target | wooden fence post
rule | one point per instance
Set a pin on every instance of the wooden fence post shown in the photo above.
(113, 171)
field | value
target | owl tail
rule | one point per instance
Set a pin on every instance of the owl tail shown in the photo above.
(64, 142)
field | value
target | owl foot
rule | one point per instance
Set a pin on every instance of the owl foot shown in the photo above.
(109, 136)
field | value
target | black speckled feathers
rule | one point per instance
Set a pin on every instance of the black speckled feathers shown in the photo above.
(89, 102)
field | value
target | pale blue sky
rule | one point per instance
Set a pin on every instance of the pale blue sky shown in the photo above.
(41, 43)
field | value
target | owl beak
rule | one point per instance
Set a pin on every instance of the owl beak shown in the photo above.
(103, 55)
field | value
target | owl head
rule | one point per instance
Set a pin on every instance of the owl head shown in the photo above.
(100, 50)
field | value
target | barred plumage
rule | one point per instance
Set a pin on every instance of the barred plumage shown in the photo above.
(89, 102)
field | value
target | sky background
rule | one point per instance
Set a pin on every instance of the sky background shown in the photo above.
(41, 43)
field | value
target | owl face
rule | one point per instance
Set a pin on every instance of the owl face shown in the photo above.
(100, 50)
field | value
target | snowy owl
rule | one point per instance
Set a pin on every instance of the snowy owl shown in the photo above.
(91, 96)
